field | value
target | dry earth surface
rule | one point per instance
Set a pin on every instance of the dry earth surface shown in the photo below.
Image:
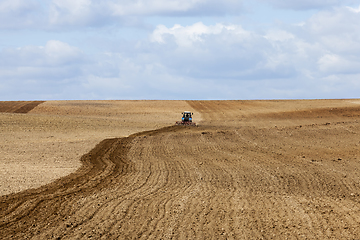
(47, 142)
(249, 170)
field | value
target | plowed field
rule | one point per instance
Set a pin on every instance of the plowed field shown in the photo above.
(18, 106)
(249, 170)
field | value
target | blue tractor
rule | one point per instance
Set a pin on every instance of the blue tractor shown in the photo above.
(186, 119)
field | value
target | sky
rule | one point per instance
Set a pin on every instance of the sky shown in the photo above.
(179, 49)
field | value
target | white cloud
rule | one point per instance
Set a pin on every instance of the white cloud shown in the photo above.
(177, 7)
(53, 54)
(221, 52)
(59, 53)
(308, 4)
(186, 36)
(355, 10)
(324, 47)
(337, 35)
(59, 14)
(19, 13)
(40, 72)
(335, 64)
(279, 35)
(70, 12)
(333, 22)
(318, 58)
(146, 7)
(108, 12)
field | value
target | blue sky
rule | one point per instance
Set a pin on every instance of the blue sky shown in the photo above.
(188, 49)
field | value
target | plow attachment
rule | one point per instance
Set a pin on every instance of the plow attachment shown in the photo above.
(185, 123)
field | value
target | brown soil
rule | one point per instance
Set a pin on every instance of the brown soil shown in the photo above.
(249, 170)
(18, 106)
(52, 137)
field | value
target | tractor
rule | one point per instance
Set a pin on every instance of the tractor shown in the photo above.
(186, 119)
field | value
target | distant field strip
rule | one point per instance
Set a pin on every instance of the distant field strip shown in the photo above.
(18, 106)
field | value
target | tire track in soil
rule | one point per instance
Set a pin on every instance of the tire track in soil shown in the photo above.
(205, 182)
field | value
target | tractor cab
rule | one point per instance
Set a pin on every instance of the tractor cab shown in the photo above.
(187, 117)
